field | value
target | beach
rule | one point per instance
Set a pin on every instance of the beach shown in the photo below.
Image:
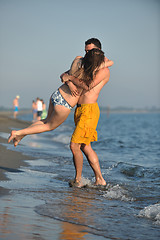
(37, 203)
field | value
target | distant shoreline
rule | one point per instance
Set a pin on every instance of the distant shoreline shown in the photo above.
(9, 112)
(129, 111)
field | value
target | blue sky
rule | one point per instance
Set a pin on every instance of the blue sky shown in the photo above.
(40, 38)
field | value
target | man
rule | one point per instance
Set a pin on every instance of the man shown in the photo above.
(39, 108)
(86, 120)
(15, 106)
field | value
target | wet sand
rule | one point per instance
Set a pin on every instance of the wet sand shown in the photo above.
(18, 220)
(10, 160)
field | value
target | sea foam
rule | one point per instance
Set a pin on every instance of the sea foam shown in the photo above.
(152, 212)
(118, 193)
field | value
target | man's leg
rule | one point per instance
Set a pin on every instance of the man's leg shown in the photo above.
(94, 163)
(77, 159)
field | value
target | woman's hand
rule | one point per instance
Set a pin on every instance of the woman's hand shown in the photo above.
(73, 89)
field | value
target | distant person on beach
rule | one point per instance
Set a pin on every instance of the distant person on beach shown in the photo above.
(16, 106)
(34, 110)
(39, 108)
(86, 119)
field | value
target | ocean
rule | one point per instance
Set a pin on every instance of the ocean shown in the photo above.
(128, 148)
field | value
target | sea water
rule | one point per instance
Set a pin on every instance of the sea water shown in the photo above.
(128, 148)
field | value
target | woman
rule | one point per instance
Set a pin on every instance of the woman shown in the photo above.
(66, 97)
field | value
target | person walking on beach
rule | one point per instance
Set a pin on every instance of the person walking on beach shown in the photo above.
(16, 106)
(86, 120)
(64, 99)
(39, 108)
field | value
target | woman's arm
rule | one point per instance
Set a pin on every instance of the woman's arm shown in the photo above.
(61, 76)
(76, 81)
(67, 76)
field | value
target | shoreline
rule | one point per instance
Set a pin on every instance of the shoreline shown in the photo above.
(10, 160)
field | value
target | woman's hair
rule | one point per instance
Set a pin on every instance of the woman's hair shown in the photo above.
(90, 64)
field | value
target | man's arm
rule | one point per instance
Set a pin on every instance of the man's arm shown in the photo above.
(66, 77)
(108, 63)
(101, 75)
(79, 83)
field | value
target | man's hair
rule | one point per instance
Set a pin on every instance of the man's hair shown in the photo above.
(95, 41)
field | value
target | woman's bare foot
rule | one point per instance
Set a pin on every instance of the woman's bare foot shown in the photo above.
(15, 137)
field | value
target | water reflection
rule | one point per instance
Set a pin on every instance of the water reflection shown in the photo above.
(75, 209)
(19, 221)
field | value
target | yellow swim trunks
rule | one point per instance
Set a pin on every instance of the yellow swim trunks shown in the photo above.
(86, 119)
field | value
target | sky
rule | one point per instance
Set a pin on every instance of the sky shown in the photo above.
(40, 38)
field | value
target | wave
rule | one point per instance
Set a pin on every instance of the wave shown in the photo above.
(151, 212)
(117, 192)
(135, 171)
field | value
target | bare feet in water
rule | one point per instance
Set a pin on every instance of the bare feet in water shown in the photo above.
(75, 183)
(100, 182)
(15, 138)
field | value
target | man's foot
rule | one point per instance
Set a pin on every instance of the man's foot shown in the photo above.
(75, 183)
(15, 138)
(100, 182)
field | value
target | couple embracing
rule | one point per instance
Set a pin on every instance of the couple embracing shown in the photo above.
(81, 86)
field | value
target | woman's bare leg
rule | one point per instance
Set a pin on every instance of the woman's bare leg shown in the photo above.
(56, 116)
(16, 139)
